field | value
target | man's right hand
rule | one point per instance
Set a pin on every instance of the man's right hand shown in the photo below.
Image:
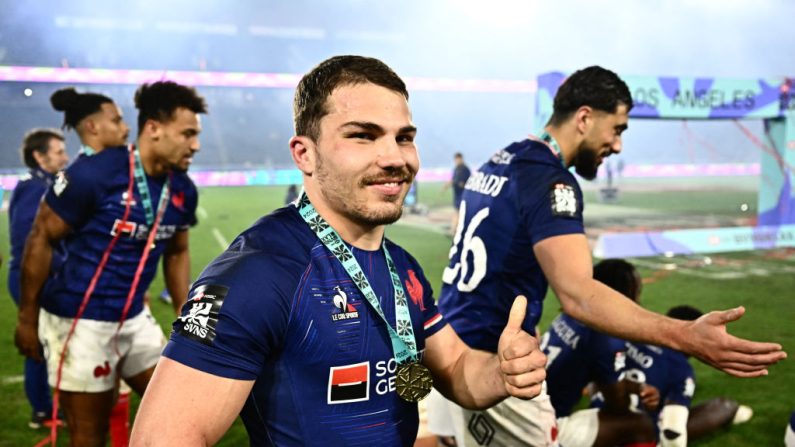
(26, 338)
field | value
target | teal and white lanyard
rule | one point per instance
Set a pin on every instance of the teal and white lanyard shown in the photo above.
(143, 189)
(87, 150)
(555, 146)
(403, 343)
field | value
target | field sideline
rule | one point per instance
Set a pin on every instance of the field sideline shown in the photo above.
(764, 282)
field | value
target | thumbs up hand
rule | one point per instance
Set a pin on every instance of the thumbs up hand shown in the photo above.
(521, 361)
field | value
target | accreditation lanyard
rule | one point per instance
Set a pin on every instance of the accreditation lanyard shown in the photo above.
(143, 190)
(403, 344)
(555, 146)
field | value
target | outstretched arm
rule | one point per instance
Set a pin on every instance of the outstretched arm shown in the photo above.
(187, 407)
(48, 229)
(477, 379)
(566, 261)
(176, 269)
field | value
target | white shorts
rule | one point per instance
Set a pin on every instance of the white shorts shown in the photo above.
(92, 362)
(511, 423)
(439, 414)
(789, 437)
(579, 429)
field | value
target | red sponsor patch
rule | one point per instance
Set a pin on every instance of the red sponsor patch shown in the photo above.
(178, 199)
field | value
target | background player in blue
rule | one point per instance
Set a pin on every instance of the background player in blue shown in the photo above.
(672, 375)
(276, 330)
(521, 228)
(111, 220)
(460, 176)
(97, 120)
(578, 355)
(44, 153)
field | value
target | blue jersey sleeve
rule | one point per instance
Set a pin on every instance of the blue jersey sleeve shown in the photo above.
(683, 380)
(236, 314)
(75, 192)
(550, 200)
(609, 359)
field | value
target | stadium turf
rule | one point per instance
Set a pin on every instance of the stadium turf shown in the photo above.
(764, 282)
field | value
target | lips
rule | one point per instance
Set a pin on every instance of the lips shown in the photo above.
(387, 187)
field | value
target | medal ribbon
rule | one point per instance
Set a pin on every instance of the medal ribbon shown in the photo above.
(403, 343)
(555, 146)
(143, 190)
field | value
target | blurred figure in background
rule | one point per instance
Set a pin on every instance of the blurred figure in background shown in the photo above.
(459, 179)
(44, 153)
(292, 194)
(97, 120)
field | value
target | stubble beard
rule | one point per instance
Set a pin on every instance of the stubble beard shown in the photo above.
(345, 201)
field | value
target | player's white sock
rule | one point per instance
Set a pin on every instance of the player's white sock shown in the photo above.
(743, 414)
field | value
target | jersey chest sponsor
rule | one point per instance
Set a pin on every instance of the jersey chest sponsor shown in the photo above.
(140, 231)
(352, 383)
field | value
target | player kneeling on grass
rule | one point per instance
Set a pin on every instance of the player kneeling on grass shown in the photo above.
(671, 373)
(578, 355)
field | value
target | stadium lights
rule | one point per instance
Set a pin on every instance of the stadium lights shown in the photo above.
(67, 75)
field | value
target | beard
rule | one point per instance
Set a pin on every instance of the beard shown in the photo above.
(586, 163)
(350, 198)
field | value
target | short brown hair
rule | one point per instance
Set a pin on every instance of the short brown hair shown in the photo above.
(38, 140)
(311, 95)
(158, 101)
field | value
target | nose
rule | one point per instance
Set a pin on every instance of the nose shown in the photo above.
(390, 155)
(617, 145)
(195, 144)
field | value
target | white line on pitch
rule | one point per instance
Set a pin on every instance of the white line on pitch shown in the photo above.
(220, 238)
(12, 379)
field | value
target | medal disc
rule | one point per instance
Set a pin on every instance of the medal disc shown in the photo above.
(413, 382)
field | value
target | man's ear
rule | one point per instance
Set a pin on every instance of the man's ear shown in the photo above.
(303, 149)
(583, 119)
(90, 126)
(152, 129)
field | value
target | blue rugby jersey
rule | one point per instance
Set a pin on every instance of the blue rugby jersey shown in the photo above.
(91, 196)
(278, 308)
(667, 370)
(577, 355)
(520, 197)
(22, 210)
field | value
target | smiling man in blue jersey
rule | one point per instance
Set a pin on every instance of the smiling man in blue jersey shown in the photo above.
(312, 326)
(521, 229)
(44, 153)
(118, 212)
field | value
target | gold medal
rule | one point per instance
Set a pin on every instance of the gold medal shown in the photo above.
(413, 382)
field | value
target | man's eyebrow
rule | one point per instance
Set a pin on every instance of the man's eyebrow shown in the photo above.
(622, 127)
(364, 125)
(407, 129)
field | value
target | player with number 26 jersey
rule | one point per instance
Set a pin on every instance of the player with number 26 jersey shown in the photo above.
(521, 196)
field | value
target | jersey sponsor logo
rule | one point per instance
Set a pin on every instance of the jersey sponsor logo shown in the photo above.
(61, 182)
(620, 361)
(414, 289)
(690, 387)
(481, 429)
(199, 315)
(348, 383)
(502, 157)
(344, 309)
(564, 201)
(126, 228)
(126, 196)
(488, 184)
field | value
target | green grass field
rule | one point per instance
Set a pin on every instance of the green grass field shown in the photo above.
(764, 282)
